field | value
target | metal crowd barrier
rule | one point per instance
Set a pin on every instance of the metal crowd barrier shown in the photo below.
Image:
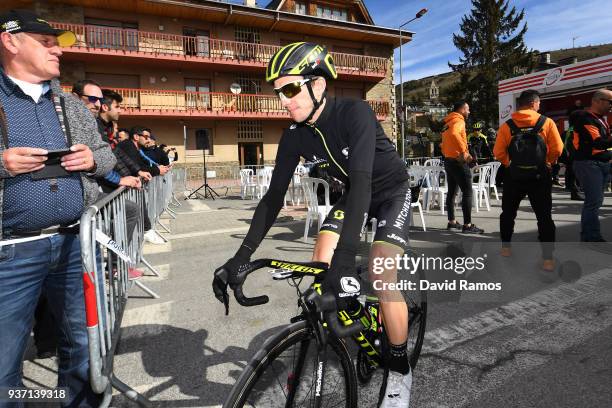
(158, 197)
(107, 252)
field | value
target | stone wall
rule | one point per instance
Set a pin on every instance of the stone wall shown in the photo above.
(384, 90)
(59, 12)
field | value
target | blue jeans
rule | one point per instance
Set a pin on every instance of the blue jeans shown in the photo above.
(593, 176)
(52, 265)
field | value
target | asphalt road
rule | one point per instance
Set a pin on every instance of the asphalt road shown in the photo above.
(537, 342)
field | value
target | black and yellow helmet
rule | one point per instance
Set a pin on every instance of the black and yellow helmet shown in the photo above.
(301, 58)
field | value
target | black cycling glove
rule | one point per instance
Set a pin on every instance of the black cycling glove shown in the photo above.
(342, 280)
(228, 274)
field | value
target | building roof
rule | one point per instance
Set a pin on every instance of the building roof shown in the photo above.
(278, 4)
(260, 17)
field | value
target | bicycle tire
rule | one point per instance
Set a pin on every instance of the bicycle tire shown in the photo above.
(417, 304)
(251, 388)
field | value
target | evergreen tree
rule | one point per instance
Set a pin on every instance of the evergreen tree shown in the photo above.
(493, 47)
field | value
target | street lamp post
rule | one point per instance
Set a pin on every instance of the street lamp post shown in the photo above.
(403, 118)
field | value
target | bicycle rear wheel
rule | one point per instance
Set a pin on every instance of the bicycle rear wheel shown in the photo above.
(283, 373)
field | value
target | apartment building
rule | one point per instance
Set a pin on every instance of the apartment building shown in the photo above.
(184, 66)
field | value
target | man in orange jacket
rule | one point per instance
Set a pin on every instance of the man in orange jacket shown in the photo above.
(532, 181)
(591, 141)
(456, 164)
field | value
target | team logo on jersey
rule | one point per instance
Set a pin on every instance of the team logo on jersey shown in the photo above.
(345, 152)
(382, 223)
(293, 126)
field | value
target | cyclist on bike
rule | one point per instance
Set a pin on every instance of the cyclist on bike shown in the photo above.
(346, 134)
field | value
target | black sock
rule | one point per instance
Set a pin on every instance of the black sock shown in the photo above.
(397, 360)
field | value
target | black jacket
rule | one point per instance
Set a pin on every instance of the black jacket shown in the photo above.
(130, 156)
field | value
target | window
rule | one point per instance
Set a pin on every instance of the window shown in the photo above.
(196, 42)
(111, 34)
(249, 85)
(250, 131)
(197, 100)
(247, 34)
(300, 8)
(332, 13)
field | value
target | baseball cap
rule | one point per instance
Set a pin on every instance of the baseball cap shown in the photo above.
(25, 21)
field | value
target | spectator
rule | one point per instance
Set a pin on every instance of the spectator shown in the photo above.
(456, 163)
(122, 134)
(114, 178)
(110, 110)
(90, 93)
(107, 117)
(567, 158)
(128, 152)
(167, 150)
(592, 160)
(40, 213)
(147, 141)
(536, 183)
(155, 153)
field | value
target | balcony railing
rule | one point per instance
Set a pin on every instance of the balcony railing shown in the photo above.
(211, 102)
(194, 48)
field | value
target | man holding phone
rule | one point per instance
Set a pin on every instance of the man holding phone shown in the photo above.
(50, 152)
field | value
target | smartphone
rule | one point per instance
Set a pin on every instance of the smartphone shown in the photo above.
(55, 156)
(53, 166)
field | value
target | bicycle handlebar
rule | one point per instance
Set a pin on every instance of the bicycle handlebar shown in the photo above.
(325, 303)
(239, 295)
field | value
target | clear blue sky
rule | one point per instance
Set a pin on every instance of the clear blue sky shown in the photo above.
(551, 24)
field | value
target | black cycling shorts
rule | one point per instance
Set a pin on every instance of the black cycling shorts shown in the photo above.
(391, 208)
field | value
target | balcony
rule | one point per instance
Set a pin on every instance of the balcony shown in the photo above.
(214, 105)
(101, 43)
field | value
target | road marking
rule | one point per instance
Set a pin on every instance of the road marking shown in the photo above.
(151, 249)
(156, 315)
(222, 231)
(515, 312)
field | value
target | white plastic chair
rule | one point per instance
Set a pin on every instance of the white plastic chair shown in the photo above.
(435, 187)
(417, 176)
(263, 181)
(294, 190)
(494, 168)
(481, 187)
(310, 186)
(247, 184)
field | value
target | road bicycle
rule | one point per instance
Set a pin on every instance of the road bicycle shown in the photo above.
(307, 362)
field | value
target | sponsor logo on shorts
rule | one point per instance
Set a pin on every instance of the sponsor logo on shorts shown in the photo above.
(401, 218)
(397, 238)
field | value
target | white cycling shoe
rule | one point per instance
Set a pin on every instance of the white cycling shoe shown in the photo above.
(397, 394)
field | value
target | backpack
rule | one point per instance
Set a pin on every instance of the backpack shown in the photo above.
(527, 151)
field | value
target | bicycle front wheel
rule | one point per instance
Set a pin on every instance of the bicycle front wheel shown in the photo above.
(284, 373)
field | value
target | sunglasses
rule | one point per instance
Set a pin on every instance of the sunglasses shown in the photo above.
(92, 99)
(291, 89)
